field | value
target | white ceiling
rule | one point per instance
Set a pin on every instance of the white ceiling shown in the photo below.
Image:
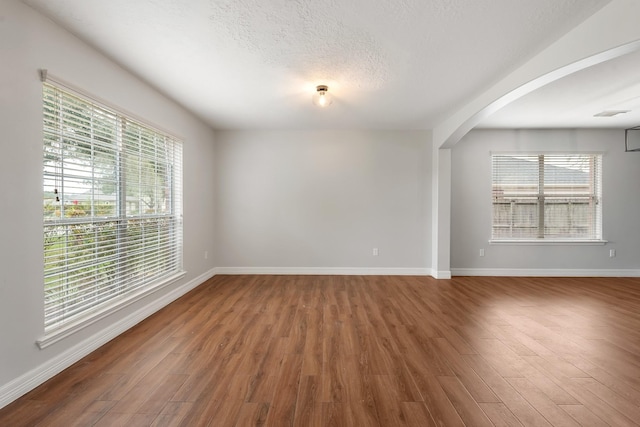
(573, 101)
(390, 64)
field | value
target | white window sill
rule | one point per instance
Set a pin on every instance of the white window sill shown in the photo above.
(90, 318)
(551, 242)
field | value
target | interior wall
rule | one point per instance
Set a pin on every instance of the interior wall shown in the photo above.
(323, 199)
(29, 42)
(471, 203)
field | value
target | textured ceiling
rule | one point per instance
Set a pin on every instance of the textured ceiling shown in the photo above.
(254, 64)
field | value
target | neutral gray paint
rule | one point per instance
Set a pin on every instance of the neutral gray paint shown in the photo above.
(29, 42)
(323, 198)
(471, 201)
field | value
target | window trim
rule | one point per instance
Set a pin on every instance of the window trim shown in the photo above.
(110, 306)
(552, 242)
(71, 328)
(549, 241)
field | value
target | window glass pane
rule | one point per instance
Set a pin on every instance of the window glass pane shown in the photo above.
(515, 217)
(568, 217)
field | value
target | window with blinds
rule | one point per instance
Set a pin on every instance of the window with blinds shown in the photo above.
(112, 202)
(547, 196)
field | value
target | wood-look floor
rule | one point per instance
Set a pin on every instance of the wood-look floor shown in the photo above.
(363, 351)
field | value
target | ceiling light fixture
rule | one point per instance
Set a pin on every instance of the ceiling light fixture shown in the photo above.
(322, 98)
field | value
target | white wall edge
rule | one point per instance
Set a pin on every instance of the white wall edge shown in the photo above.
(553, 272)
(325, 271)
(30, 380)
(441, 274)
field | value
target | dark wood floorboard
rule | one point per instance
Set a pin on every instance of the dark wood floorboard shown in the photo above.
(363, 351)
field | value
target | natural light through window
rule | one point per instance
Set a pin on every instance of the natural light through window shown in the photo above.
(111, 208)
(550, 197)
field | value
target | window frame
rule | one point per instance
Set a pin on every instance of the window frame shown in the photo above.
(165, 220)
(541, 196)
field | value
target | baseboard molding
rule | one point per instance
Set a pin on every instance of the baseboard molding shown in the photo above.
(30, 380)
(325, 271)
(441, 274)
(552, 272)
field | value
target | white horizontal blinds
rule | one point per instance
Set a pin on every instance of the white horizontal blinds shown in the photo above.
(149, 165)
(80, 156)
(547, 196)
(111, 206)
(572, 197)
(515, 197)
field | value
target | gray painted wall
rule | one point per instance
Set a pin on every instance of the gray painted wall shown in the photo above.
(471, 202)
(323, 199)
(29, 42)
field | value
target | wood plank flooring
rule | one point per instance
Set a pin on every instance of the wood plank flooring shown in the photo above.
(363, 351)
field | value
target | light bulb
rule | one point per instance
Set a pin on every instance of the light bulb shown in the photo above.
(322, 98)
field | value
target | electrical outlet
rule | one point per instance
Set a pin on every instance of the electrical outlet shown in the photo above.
(206, 254)
(375, 252)
(612, 253)
(482, 252)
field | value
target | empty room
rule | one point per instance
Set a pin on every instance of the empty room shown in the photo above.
(320, 213)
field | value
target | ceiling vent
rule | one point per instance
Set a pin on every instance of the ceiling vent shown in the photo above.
(610, 113)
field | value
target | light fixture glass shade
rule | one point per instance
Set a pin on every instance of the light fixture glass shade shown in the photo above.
(322, 98)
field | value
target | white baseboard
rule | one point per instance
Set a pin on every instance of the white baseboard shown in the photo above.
(30, 380)
(552, 272)
(325, 271)
(441, 274)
